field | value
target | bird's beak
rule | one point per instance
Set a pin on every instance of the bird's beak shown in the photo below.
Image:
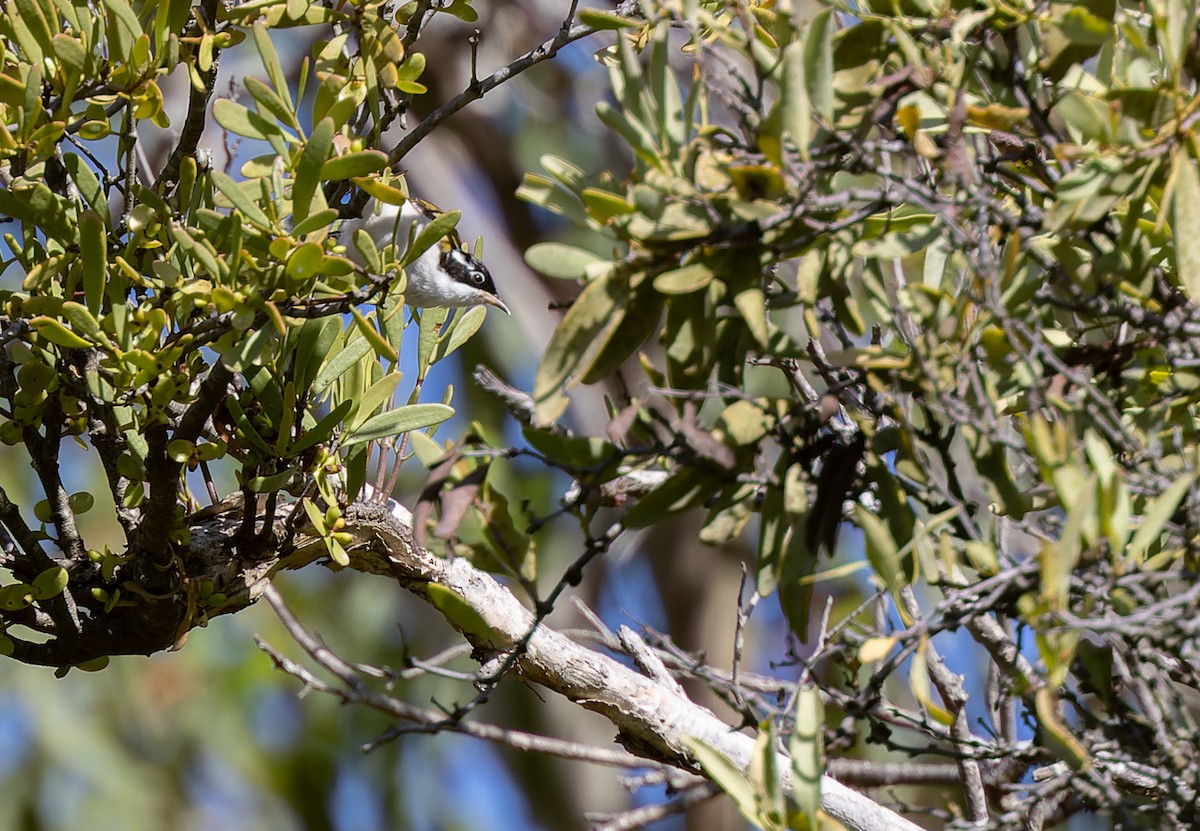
(492, 300)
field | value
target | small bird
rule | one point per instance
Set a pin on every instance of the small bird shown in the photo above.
(446, 275)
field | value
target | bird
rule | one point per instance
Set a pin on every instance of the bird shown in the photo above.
(446, 275)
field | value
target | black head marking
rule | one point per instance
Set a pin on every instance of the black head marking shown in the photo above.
(466, 269)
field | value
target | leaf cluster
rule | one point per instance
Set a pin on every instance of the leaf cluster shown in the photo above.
(925, 269)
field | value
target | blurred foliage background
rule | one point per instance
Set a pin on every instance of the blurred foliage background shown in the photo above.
(913, 279)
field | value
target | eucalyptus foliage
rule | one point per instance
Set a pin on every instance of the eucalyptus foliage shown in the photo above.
(913, 274)
(928, 269)
(176, 319)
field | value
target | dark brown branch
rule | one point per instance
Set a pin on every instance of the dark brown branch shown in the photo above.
(193, 122)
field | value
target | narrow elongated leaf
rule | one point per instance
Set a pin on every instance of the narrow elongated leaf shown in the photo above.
(240, 121)
(85, 323)
(266, 50)
(882, 552)
(323, 430)
(566, 262)
(795, 108)
(440, 227)
(466, 324)
(308, 171)
(379, 394)
(1185, 221)
(599, 19)
(245, 428)
(241, 200)
(726, 774)
(400, 420)
(818, 64)
(588, 325)
(38, 205)
(351, 165)
(93, 253)
(386, 194)
(268, 100)
(89, 185)
(382, 348)
(340, 364)
(315, 222)
(807, 749)
(55, 332)
(1158, 511)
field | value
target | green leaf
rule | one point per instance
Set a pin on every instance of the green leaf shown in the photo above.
(312, 347)
(122, 15)
(50, 583)
(200, 250)
(764, 775)
(89, 185)
(84, 323)
(1185, 222)
(244, 428)
(462, 616)
(685, 279)
(818, 65)
(180, 450)
(351, 165)
(242, 122)
(337, 366)
(305, 262)
(93, 253)
(600, 20)
(746, 421)
(636, 135)
(1159, 510)
(807, 749)
(684, 490)
(882, 553)
(273, 483)
(585, 329)
(30, 31)
(237, 196)
(319, 221)
(323, 430)
(795, 107)
(1055, 735)
(81, 502)
(565, 262)
(365, 245)
(382, 348)
(38, 206)
(266, 50)
(430, 235)
(577, 453)
(462, 10)
(726, 775)
(400, 420)
(316, 517)
(386, 194)
(269, 101)
(308, 170)
(1174, 23)
(55, 332)
(431, 321)
(377, 395)
(752, 303)
(466, 324)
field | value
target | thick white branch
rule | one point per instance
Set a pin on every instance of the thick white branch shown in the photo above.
(652, 718)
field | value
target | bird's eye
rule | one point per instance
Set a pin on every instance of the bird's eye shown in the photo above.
(477, 278)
